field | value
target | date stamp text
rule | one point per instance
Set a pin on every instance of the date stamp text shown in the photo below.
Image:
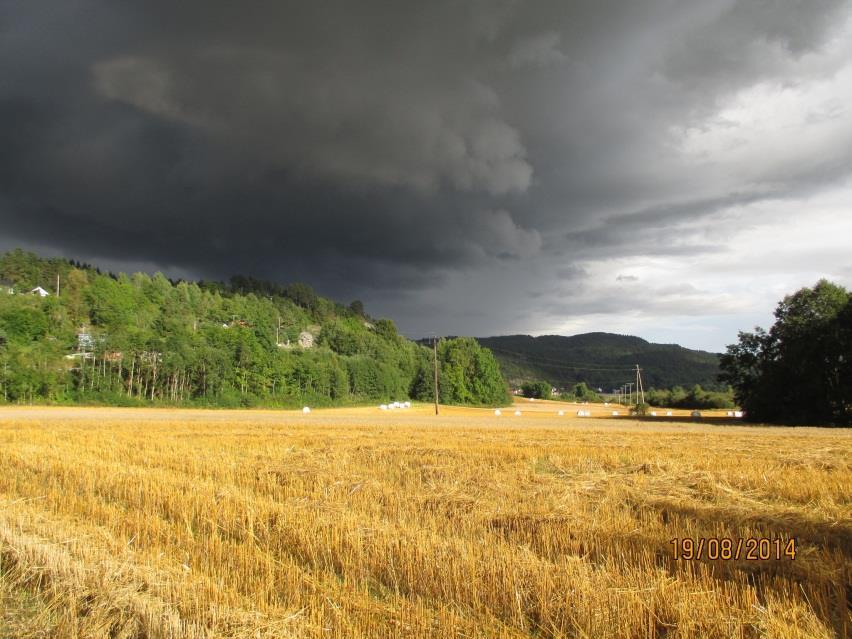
(728, 549)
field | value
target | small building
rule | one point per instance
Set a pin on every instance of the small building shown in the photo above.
(38, 290)
(7, 287)
(85, 341)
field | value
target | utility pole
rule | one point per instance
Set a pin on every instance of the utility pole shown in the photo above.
(435, 352)
(637, 383)
(629, 393)
(57, 285)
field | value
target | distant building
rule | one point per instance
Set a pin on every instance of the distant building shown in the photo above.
(7, 287)
(38, 290)
(85, 342)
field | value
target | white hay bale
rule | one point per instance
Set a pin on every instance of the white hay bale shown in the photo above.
(668, 413)
(738, 413)
(406, 404)
(517, 413)
(730, 413)
(397, 405)
(561, 413)
(497, 412)
(606, 403)
(653, 413)
(383, 406)
(615, 413)
(532, 399)
(696, 414)
(306, 410)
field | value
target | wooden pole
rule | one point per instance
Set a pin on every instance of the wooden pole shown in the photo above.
(435, 352)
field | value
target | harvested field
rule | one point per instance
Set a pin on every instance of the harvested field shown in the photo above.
(361, 523)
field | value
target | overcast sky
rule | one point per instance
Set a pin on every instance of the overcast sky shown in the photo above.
(658, 168)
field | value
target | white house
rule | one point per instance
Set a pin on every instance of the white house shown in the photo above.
(38, 290)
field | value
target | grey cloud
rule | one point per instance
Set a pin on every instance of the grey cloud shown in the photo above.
(501, 236)
(537, 50)
(571, 272)
(731, 41)
(682, 299)
(385, 149)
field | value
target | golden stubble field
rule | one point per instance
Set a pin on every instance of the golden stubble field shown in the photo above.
(360, 523)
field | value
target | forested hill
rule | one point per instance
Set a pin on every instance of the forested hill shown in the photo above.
(602, 360)
(121, 339)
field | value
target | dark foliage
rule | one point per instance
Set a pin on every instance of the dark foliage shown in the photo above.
(601, 360)
(695, 397)
(800, 371)
(536, 390)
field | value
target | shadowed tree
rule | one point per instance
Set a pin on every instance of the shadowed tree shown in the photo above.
(798, 371)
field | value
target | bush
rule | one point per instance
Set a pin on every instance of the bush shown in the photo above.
(585, 394)
(536, 390)
(641, 409)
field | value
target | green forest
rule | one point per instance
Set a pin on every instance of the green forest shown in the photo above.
(94, 337)
(602, 360)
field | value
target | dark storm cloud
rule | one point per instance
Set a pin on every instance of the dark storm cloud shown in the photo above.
(378, 148)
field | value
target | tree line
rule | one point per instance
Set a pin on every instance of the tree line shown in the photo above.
(541, 389)
(800, 370)
(695, 397)
(126, 340)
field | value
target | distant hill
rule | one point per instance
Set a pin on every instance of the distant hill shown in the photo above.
(602, 360)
